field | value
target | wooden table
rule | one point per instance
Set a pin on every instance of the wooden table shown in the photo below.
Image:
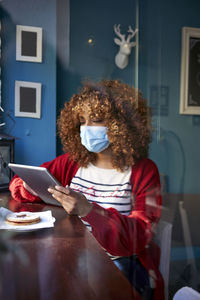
(63, 262)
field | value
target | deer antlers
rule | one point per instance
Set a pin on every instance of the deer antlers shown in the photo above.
(133, 33)
(117, 30)
(118, 33)
(121, 58)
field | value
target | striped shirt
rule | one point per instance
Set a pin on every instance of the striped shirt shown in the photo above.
(106, 187)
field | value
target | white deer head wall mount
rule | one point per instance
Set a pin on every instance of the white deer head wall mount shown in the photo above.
(121, 58)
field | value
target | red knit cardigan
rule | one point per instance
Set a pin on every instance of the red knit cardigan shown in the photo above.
(120, 235)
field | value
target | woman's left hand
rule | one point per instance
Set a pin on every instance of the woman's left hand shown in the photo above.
(73, 202)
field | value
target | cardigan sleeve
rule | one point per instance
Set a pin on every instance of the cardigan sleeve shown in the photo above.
(19, 193)
(126, 235)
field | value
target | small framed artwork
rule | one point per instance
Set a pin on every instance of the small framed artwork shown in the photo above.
(190, 72)
(6, 156)
(29, 43)
(28, 99)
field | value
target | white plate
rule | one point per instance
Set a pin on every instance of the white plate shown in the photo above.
(47, 221)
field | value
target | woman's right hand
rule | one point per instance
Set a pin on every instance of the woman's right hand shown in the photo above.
(29, 189)
(73, 202)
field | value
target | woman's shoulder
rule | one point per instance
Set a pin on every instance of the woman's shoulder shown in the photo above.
(63, 157)
(144, 163)
(145, 175)
(62, 167)
(61, 160)
(145, 167)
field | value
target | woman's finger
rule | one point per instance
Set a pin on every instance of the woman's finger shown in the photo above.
(68, 202)
(73, 202)
(61, 197)
(62, 194)
(66, 190)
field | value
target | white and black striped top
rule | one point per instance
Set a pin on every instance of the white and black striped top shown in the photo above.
(106, 187)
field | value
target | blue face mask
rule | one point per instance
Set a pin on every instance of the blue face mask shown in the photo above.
(94, 138)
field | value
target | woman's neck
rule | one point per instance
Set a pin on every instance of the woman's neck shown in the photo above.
(104, 159)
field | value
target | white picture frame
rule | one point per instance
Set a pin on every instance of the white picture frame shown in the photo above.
(190, 72)
(28, 99)
(28, 43)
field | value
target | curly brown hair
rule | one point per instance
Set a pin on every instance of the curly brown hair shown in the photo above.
(125, 113)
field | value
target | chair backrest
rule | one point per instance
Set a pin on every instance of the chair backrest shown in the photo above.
(163, 240)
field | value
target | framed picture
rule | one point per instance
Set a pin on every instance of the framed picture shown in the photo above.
(6, 156)
(28, 99)
(29, 43)
(190, 72)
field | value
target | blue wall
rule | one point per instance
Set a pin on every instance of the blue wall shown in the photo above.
(36, 140)
(176, 143)
(95, 19)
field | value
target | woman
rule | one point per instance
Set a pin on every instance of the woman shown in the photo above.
(107, 179)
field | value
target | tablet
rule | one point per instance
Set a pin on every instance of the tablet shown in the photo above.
(39, 179)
